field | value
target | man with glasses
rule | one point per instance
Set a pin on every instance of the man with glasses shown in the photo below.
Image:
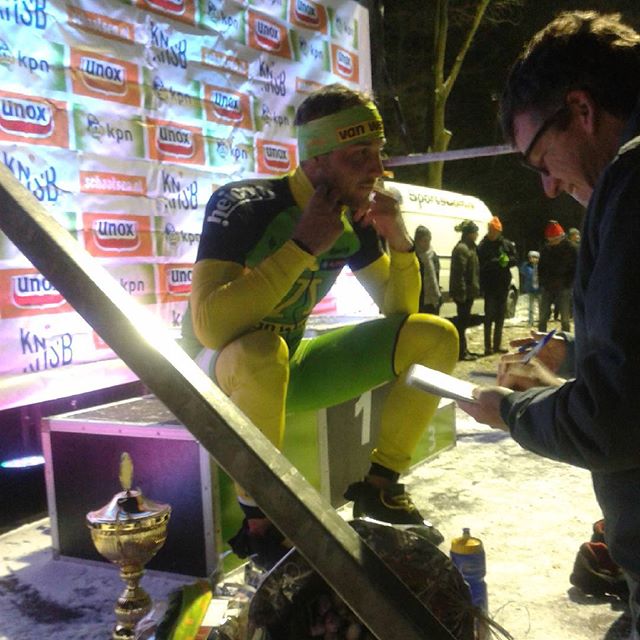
(571, 108)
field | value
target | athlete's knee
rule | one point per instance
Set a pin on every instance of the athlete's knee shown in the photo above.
(258, 357)
(430, 340)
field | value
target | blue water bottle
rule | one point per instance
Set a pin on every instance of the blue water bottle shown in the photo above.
(467, 553)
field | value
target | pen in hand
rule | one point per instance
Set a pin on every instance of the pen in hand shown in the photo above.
(536, 348)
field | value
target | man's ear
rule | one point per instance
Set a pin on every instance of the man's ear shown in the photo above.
(584, 108)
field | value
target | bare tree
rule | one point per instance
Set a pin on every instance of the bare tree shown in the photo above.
(468, 15)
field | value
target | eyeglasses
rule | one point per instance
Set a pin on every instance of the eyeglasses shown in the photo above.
(544, 127)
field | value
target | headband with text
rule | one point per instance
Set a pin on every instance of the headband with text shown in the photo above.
(349, 126)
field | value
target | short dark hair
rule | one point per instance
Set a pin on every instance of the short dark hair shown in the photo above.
(584, 50)
(421, 232)
(327, 100)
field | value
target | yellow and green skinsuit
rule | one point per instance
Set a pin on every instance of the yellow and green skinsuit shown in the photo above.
(253, 289)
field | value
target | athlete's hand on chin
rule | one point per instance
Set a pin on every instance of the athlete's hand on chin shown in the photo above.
(320, 224)
(383, 214)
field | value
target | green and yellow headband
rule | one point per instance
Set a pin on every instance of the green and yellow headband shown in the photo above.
(355, 124)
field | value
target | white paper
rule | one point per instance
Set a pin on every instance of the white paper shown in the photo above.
(440, 384)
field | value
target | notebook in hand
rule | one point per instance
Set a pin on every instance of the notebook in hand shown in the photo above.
(440, 384)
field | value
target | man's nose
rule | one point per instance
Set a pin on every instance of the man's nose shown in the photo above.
(551, 186)
(377, 167)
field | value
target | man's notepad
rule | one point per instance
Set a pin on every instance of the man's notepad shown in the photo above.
(440, 384)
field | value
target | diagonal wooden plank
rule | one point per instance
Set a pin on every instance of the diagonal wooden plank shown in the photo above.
(376, 595)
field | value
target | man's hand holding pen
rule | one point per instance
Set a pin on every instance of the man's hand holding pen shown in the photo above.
(517, 371)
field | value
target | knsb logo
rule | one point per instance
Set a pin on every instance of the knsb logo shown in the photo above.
(345, 63)
(24, 117)
(116, 234)
(308, 14)
(34, 291)
(268, 35)
(275, 157)
(179, 281)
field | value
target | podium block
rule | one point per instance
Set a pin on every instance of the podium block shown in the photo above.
(82, 454)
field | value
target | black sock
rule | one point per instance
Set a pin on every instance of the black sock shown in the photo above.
(378, 470)
(251, 511)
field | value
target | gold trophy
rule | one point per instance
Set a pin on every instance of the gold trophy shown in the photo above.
(129, 531)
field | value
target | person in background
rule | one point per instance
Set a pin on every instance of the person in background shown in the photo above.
(270, 249)
(464, 283)
(530, 283)
(430, 293)
(571, 107)
(556, 271)
(496, 256)
(573, 235)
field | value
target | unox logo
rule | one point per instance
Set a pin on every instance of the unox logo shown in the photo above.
(268, 34)
(307, 13)
(26, 117)
(176, 7)
(276, 157)
(175, 141)
(34, 290)
(227, 105)
(179, 281)
(116, 234)
(102, 76)
(344, 62)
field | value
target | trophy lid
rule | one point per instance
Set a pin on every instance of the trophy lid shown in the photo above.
(129, 504)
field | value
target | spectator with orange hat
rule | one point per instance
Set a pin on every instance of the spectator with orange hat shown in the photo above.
(496, 255)
(556, 270)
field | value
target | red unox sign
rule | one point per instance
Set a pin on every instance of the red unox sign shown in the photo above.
(34, 290)
(25, 292)
(105, 78)
(33, 120)
(174, 142)
(344, 63)
(227, 107)
(175, 282)
(266, 34)
(275, 157)
(111, 234)
(183, 10)
(308, 14)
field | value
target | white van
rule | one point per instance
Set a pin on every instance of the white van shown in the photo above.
(438, 210)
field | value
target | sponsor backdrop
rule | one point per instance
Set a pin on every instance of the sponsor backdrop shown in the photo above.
(122, 118)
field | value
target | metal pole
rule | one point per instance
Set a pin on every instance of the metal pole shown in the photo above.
(455, 154)
(334, 550)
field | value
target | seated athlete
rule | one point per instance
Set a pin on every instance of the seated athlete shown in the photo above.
(270, 250)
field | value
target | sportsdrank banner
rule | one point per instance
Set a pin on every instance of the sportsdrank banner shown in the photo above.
(123, 117)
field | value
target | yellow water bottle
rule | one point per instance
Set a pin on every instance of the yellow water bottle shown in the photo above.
(467, 553)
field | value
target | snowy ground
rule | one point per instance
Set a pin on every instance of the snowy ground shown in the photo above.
(532, 515)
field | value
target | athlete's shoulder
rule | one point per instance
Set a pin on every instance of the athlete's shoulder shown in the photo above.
(251, 193)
